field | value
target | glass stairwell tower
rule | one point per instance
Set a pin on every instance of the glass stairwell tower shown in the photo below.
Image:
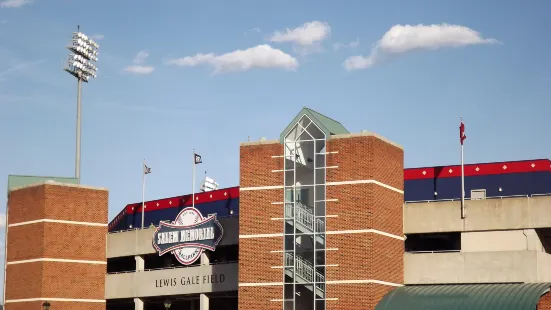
(304, 224)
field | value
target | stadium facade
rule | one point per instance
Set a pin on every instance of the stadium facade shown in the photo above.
(322, 219)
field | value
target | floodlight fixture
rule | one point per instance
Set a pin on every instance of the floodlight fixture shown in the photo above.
(81, 64)
(208, 185)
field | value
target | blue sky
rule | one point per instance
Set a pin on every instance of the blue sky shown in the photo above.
(490, 64)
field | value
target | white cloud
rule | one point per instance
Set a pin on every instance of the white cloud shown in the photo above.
(11, 4)
(140, 70)
(308, 34)
(2, 220)
(337, 46)
(261, 56)
(97, 37)
(401, 39)
(141, 57)
(138, 67)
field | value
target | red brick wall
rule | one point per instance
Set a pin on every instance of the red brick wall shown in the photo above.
(56, 305)
(365, 157)
(364, 206)
(56, 241)
(364, 256)
(260, 298)
(257, 219)
(256, 260)
(256, 165)
(256, 212)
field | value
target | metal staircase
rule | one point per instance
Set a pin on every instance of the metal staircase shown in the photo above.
(305, 220)
(305, 273)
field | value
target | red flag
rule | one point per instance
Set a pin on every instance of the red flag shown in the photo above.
(462, 135)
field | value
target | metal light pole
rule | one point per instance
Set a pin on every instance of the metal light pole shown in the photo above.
(80, 64)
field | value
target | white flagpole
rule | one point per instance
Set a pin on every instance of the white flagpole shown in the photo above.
(193, 182)
(143, 192)
(462, 178)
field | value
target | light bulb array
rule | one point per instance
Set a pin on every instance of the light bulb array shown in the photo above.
(84, 54)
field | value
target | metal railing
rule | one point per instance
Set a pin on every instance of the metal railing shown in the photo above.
(433, 252)
(155, 226)
(173, 267)
(304, 216)
(487, 198)
(305, 270)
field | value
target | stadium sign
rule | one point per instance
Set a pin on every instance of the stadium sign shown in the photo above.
(188, 236)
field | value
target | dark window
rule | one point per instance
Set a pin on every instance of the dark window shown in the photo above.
(436, 242)
(224, 254)
(154, 261)
(121, 264)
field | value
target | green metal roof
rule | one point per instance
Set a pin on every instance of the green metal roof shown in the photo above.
(328, 125)
(523, 296)
(15, 181)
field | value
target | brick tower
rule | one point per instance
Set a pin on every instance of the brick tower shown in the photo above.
(320, 218)
(56, 245)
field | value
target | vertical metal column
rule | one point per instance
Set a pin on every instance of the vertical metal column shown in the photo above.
(77, 160)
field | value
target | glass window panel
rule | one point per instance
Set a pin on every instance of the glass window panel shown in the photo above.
(320, 257)
(289, 259)
(304, 243)
(315, 132)
(305, 121)
(289, 194)
(320, 304)
(288, 305)
(304, 175)
(290, 149)
(289, 275)
(320, 274)
(289, 177)
(289, 210)
(320, 160)
(289, 227)
(305, 153)
(320, 192)
(321, 146)
(305, 195)
(304, 219)
(289, 243)
(320, 208)
(305, 136)
(320, 241)
(289, 291)
(304, 298)
(319, 224)
(320, 177)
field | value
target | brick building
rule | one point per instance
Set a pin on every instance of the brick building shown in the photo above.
(311, 204)
(56, 247)
(322, 219)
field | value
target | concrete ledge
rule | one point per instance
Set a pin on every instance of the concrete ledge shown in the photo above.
(481, 215)
(172, 281)
(259, 142)
(366, 134)
(50, 182)
(477, 267)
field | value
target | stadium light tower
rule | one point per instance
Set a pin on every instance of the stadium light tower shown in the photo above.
(81, 64)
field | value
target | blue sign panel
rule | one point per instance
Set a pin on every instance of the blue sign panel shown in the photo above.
(188, 236)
